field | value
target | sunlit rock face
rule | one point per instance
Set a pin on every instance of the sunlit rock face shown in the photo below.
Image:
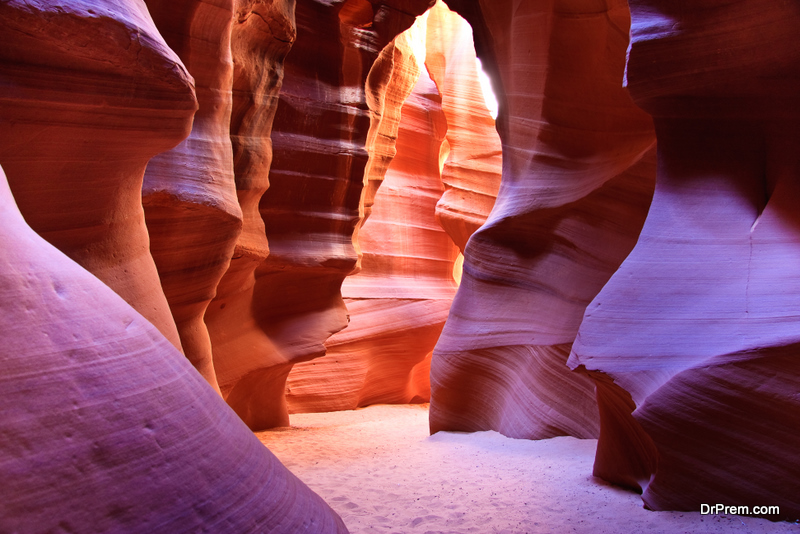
(107, 427)
(578, 173)
(280, 299)
(91, 93)
(189, 195)
(472, 168)
(697, 332)
(399, 300)
(261, 36)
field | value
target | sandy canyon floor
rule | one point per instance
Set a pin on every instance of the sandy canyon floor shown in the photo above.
(382, 472)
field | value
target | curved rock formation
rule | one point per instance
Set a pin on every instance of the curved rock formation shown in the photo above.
(189, 195)
(261, 326)
(92, 93)
(399, 300)
(471, 172)
(697, 332)
(571, 204)
(262, 35)
(107, 428)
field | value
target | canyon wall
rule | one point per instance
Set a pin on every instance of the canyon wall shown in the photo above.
(93, 93)
(578, 170)
(107, 427)
(189, 195)
(694, 341)
(472, 169)
(447, 153)
(398, 302)
(280, 299)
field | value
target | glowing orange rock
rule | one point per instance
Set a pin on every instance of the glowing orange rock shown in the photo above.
(399, 300)
(472, 169)
(189, 195)
(274, 312)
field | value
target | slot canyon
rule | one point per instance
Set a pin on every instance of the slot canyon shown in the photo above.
(399, 266)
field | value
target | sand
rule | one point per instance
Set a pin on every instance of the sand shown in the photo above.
(382, 472)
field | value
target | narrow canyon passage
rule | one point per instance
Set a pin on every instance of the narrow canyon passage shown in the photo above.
(382, 472)
(465, 266)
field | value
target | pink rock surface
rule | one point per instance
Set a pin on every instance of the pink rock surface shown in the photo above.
(574, 194)
(398, 302)
(189, 194)
(696, 334)
(92, 92)
(107, 427)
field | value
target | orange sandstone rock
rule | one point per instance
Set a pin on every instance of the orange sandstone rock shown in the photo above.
(107, 427)
(473, 165)
(261, 37)
(92, 92)
(189, 193)
(574, 195)
(399, 300)
(274, 312)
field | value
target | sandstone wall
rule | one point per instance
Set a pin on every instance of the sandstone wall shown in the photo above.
(398, 302)
(189, 194)
(577, 180)
(93, 93)
(280, 299)
(107, 427)
(693, 342)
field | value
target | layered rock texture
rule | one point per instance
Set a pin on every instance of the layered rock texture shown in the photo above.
(447, 161)
(107, 427)
(262, 35)
(694, 341)
(280, 299)
(399, 300)
(578, 172)
(189, 195)
(91, 94)
(238, 180)
(472, 169)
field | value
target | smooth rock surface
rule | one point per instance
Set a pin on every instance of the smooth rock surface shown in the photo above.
(91, 93)
(280, 299)
(189, 194)
(577, 180)
(261, 36)
(398, 302)
(107, 427)
(472, 167)
(697, 334)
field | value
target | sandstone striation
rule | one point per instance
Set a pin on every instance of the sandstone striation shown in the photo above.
(575, 190)
(473, 165)
(91, 93)
(693, 342)
(189, 194)
(399, 300)
(107, 427)
(274, 312)
(262, 35)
